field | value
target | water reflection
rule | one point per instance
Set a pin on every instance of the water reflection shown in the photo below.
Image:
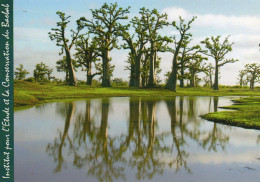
(56, 148)
(144, 148)
(143, 145)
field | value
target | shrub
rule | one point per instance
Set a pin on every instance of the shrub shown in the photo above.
(30, 79)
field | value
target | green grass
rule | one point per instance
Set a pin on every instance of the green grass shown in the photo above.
(246, 114)
(28, 93)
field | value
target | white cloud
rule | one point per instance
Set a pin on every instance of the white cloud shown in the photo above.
(174, 13)
(243, 31)
(235, 23)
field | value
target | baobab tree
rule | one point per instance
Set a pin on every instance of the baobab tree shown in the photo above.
(59, 35)
(155, 21)
(217, 50)
(20, 72)
(106, 25)
(183, 30)
(87, 54)
(253, 73)
(187, 54)
(42, 72)
(209, 69)
(136, 43)
(196, 66)
(242, 78)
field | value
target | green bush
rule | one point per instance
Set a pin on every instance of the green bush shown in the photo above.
(31, 79)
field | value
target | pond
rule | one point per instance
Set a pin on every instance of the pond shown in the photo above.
(133, 139)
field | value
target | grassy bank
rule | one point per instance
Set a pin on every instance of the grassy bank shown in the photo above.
(246, 114)
(28, 93)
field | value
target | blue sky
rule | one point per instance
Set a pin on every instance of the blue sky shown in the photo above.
(238, 18)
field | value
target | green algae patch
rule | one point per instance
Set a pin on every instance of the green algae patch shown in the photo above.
(246, 114)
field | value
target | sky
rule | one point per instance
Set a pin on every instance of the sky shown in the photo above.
(239, 19)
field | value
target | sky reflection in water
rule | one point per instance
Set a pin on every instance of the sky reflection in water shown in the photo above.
(132, 139)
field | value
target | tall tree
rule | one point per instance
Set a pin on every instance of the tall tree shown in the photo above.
(87, 55)
(155, 21)
(184, 35)
(253, 71)
(186, 54)
(20, 73)
(136, 44)
(106, 25)
(62, 67)
(59, 35)
(217, 50)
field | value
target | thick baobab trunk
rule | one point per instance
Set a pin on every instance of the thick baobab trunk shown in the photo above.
(182, 77)
(216, 77)
(106, 74)
(252, 84)
(89, 79)
(172, 81)
(137, 71)
(89, 75)
(151, 81)
(132, 75)
(72, 78)
(193, 80)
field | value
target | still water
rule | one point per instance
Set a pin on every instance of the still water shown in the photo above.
(133, 139)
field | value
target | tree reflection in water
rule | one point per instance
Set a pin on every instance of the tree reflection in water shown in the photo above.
(178, 141)
(216, 137)
(56, 148)
(143, 147)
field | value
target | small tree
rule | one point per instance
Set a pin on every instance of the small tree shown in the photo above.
(217, 50)
(253, 71)
(242, 79)
(195, 66)
(42, 72)
(117, 80)
(20, 73)
(87, 55)
(209, 69)
(59, 35)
